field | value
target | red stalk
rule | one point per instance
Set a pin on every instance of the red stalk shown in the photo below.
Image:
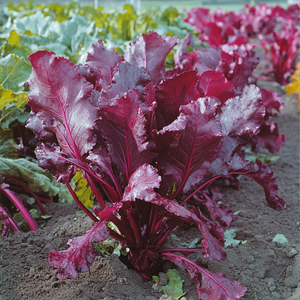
(11, 222)
(29, 191)
(80, 204)
(18, 204)
(136, 230)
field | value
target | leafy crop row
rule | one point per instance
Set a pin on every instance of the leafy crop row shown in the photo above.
(276, 28)
(149, 132)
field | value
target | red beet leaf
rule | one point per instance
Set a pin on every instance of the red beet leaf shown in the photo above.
(80, 254)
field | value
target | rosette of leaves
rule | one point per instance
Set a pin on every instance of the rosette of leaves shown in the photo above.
(146, 143)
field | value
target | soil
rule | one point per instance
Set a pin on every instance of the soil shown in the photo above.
(269, 270)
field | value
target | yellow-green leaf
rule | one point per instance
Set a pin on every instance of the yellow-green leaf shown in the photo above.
(12, 107)
(14, 72)
(14, 38)
(83, 191)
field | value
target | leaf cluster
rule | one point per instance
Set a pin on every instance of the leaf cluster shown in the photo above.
(151, 143)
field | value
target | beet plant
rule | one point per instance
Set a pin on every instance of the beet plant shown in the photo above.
(148, 144)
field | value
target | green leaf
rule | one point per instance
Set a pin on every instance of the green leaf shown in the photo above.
(192, 244)
(262, 157)
(8, 146)
(83, 191)
(280, 238)
(33, 212)
(36, 23)
(229, 236)
(14, 72)
(45, 217)
(12, 107)
(174, 237)
(21, 51)
(29, 173)
(174, 286)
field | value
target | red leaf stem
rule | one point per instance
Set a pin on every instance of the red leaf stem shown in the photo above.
(10, 220)
(29, 191)
(80, 204)
(18, 203)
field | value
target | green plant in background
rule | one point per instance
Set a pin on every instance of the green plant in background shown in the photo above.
(70, 29)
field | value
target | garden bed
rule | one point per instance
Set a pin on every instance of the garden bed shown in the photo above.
(269, 270)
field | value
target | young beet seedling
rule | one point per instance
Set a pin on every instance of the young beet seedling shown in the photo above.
(146, 144)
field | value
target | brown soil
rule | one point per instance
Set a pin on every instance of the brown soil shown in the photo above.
(268, 269)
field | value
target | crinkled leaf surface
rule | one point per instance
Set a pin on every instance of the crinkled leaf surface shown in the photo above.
(123, 127)
(36, 23)
(80, 254)
(218, 212)
(241, 117)
(269, 137)
(238, 64)
(126, 77)
(271, 100)
(203, 60)
(101, 65)
(142, 184)
(59, 97)
(259, 172)
(150, 51)
(209, 285)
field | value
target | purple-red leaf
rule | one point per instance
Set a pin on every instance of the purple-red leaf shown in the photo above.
(241, 117)
(182, 51)
(172, 93)
(213, 235)
(80, 254)
(150, 51)
(258, 171)
(122, 125)
(52, 159)
(218, 212)
(203, 60)
(209, 285)
(215, 84)
(237, 63)
(269, 137)
(141, 186)
(186, 164)
(271, 100)
(100, 66)
(59, 97)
